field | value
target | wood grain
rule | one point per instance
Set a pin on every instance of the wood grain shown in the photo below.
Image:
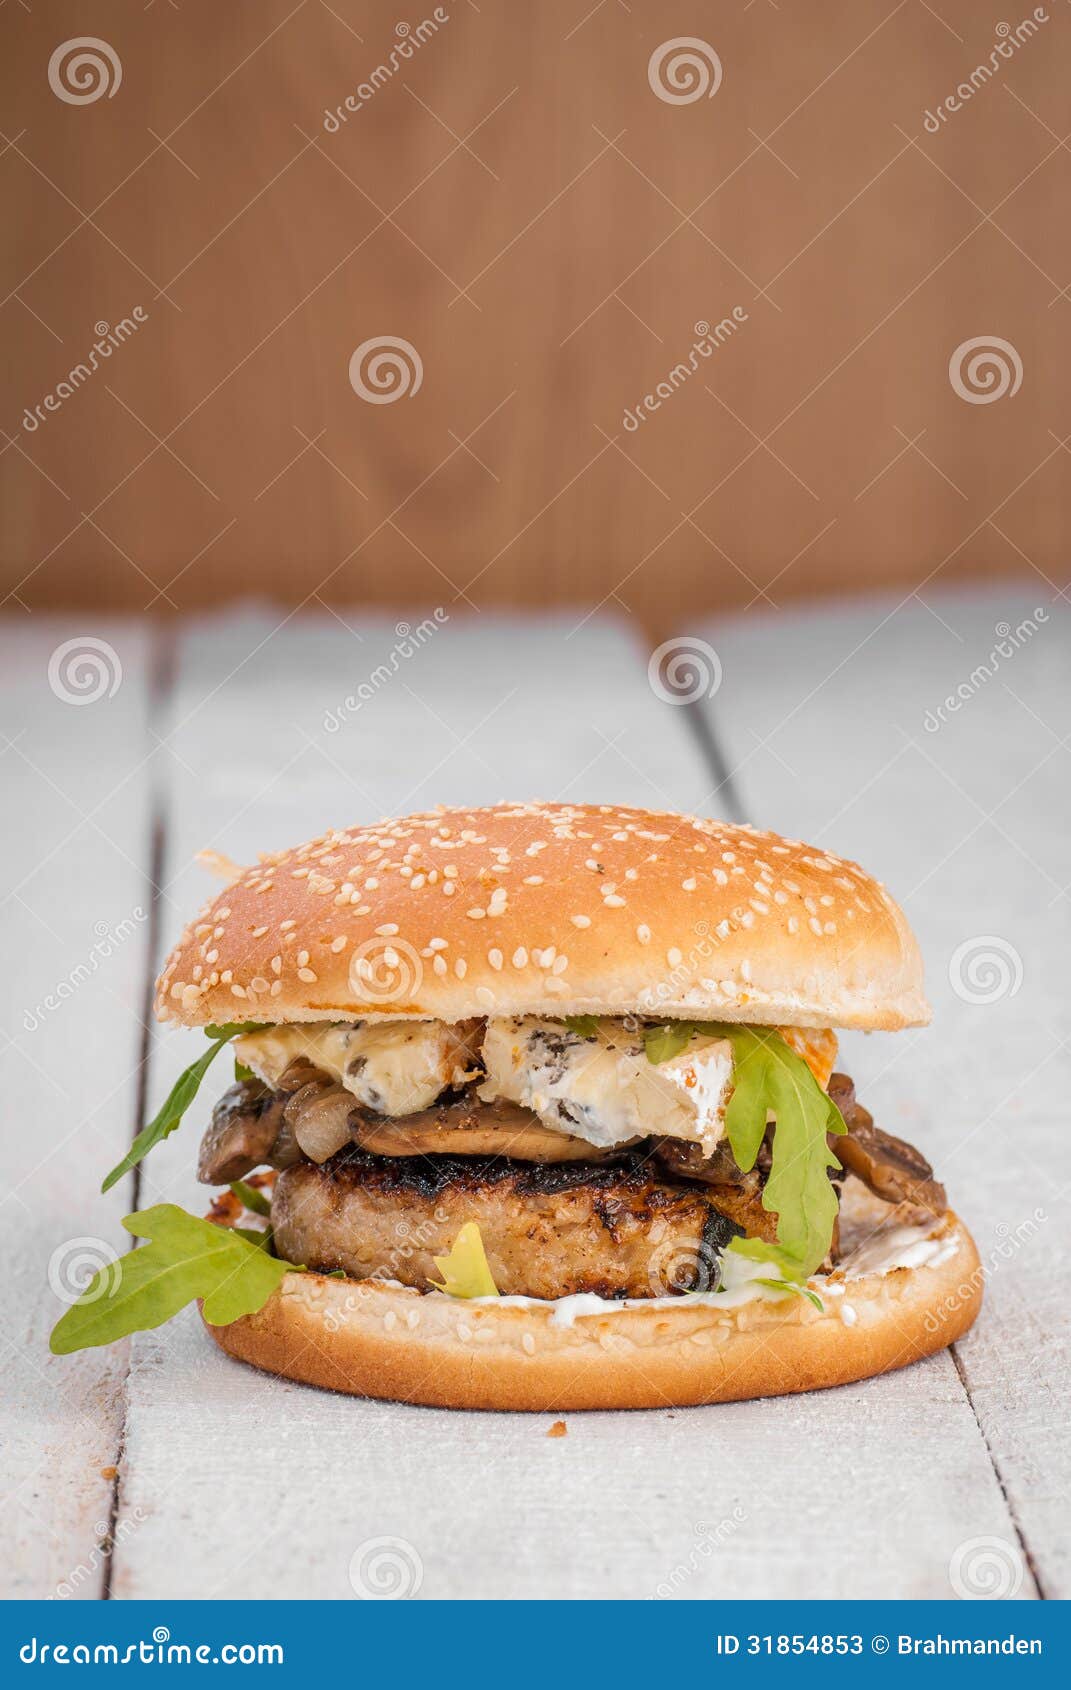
(76, 844)
(518, 204)
(836, 729)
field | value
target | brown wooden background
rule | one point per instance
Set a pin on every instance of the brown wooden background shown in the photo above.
(519, 205)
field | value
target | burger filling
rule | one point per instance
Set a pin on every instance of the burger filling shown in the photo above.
(611, 1156)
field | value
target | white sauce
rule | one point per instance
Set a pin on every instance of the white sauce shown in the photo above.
(894, 1247)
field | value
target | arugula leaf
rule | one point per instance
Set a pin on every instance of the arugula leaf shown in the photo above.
(758, 1250)
(465, 1272)
(250, 1198)
(795, 1290)
(768, 1077)
(241, 1072)
(661, 1044)
(585, 1026)
(187, 1258)
(179, 1098)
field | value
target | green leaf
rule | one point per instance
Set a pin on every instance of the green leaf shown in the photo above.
(465, 1272)
(770, 1079)
(178, 1099)
(241, 1072)
(187, 1258)
(584, 1026)
(250, 1198)
(661, 1044)
(794, 1290)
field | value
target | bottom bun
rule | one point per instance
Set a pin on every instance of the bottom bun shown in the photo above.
(377, 1340)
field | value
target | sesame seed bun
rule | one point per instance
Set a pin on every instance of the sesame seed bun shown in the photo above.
(376, 1340)
(549, 909)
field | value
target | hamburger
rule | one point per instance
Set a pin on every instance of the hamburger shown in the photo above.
(537, 1107)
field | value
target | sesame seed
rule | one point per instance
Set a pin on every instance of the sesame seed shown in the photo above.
(520, 957)
(643, 933)
(388, 930)
(613, 902)
(494, 957)
(485, 996)
(674, 957)
(580, 920)
(438, 963)
(560, 964)
(238, 991)
(688, 885)
(259, 932)
(476, 914)
(533, 880)
(461, 968)
(338, 944)
(307, 975)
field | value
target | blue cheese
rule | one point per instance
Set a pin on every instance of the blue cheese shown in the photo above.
(394, 1067)
(604, 1089)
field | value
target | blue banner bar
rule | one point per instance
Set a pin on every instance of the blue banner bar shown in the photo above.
(546, 1646)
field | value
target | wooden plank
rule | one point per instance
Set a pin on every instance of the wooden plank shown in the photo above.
(838, 730)
(484, 709)
(75, 850)
(802, 1496)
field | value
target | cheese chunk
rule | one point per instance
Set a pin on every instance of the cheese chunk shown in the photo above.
(394, 1067)
(603, 1089)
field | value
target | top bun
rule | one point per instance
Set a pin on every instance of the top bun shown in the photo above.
(549, 909)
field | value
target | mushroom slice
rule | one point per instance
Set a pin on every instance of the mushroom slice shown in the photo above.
(893, 1169)
(318, 1115)
(468, 1127)
(247, 1130)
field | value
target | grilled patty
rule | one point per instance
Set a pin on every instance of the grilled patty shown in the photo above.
(548, 1230)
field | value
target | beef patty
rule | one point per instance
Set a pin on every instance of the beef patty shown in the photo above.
(548, 1230)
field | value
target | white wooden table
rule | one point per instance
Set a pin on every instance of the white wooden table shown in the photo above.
(203, 1478)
